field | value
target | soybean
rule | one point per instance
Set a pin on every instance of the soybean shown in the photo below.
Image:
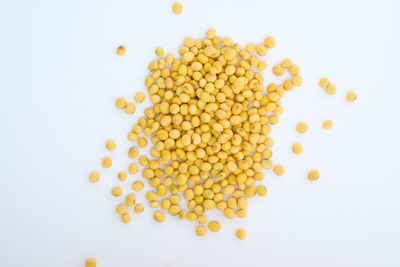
(313, 175)
(177, 8)
(351, 96)
(94, 177)
(121, 50)
(241, 233)
(110, 145)
(328, 124)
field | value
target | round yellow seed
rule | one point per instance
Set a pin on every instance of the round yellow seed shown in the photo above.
(261, 191)
(261, 50)
(313, 175)
(177, 8)
(91, 262)
(130, 200)
(278, 70)
(324, 82)
(121, 209)
(279, 170)
(122, 176)
(286, 63)
(125, 218)
(328, 124)
(159, 216)
(294, 70)
(330, 89)
(351, 96)
(133, 137)
(159, 51)
(110, 145)
(107, 162)
(142, 142)
(137, 186)
(241, 213)
(139, 208)
(94, 177)
(269, 41)
(130, 108)
(144, 161)
(241, 233)
(133, 168)
(133, 152)
(297, 148)
(121, 50)
(302, 127)
(139, 97)
(120, 103)
(201, 230)
(202, 219)
(214, 226)
(116, 191)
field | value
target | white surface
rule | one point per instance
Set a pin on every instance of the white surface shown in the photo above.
(59, 77)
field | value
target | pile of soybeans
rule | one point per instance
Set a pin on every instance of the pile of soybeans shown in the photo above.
(209, 129)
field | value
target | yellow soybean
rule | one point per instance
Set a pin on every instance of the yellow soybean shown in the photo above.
(269, 41)
(241, 213)
(330, 89)
(133, 137)
(133, 152)
(313, 175)
(294, 70)
(279, 170)
(159, 216)
(120, 103)
(142, 142)
(151, 196)
(94, 177)
(297, 148)
(130, 108)
(324, 82)
(261, 50)
(122, 176)
(107, 162)
(121, 50)
(351, 96)
(125, 218)
(214, 226)
(144, 161)
(302, 127)
(137, 186)
(159, 51)
(261, 191)
(110, 145)
(130, 200)
(139, 97)
(133, 168)
(286, 63)
(116, 191)
(121, 209)
(278, 70)
(91, 262)
(241, 233)
(328, 124)
(202, 219)
(201, 230)
(139, 208)
(177, 8)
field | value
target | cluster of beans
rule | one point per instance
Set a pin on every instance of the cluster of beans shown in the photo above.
(209, 127)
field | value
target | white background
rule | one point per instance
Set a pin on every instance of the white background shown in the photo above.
(59, 78)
